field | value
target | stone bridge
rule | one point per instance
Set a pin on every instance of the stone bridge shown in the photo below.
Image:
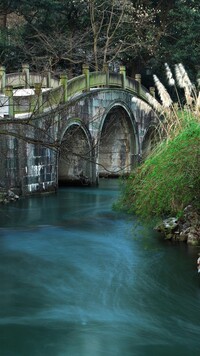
(98, 124)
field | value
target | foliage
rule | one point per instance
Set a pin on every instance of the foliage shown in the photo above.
(180, 42)
(62, 35)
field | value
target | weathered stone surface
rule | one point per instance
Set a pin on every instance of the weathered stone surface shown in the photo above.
(186, 229)
(193, 238)
(7, 196)
(168, 227)
(183, 236)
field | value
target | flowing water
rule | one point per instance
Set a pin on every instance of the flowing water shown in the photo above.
(79, 279)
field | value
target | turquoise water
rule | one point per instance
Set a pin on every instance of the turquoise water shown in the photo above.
(78, 279)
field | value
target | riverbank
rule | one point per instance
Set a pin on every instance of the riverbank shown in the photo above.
(7, 196)
(185, 229)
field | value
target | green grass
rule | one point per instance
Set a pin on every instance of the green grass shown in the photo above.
(169, 179)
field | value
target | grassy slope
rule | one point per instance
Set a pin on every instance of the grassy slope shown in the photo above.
(169, 179)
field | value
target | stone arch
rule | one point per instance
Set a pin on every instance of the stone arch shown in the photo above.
(118, 145)
(75, 161)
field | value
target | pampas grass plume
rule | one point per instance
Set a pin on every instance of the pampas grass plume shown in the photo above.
(163, 93)
(182, 78)
(169, 75)
(152, 101)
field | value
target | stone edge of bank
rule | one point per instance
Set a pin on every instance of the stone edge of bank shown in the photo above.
(7, 196)
(185, 229)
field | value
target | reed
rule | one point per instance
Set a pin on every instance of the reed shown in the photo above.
(176, 114)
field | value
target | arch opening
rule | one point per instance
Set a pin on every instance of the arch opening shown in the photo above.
(117, 144)
(74, 163)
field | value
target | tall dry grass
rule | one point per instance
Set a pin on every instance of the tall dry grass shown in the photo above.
(175, 115)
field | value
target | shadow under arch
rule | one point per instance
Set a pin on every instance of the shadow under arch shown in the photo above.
(118, 144)
(75, 161)
(150, 141)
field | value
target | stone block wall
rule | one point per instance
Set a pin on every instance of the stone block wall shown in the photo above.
(39, 170)
(25, 167)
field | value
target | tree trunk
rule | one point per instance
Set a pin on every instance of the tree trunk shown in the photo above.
(3, 20)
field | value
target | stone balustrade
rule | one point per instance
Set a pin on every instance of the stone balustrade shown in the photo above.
(27, 92)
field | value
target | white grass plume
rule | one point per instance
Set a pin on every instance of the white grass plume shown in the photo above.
(198, 104)
(182, 78)
(154, 103)
(163, 93)
(169, 75)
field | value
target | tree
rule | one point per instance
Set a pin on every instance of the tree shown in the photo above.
(46, 33)
(182, 40)
(61, 35)
(6, 8)
(106, 19)
(121, 30)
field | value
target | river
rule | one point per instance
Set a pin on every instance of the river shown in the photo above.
(78, 279)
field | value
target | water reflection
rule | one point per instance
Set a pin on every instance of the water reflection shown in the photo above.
(76, 281)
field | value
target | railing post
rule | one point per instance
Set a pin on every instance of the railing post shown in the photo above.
(138, 79)
(122, 71)
(38, 93)
(2, 78)
(152, 91)
(48, 78)
(63, 82)
(106, 70)
(85, 70)
(9, 94)
(25, 70)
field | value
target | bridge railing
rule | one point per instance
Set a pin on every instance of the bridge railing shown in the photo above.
(21, 80)
(47, 92)
(26, 79)
(24, 104)
(115, 80)
(132, 85)
(76, 85)
(98, 79)
(52, 98)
